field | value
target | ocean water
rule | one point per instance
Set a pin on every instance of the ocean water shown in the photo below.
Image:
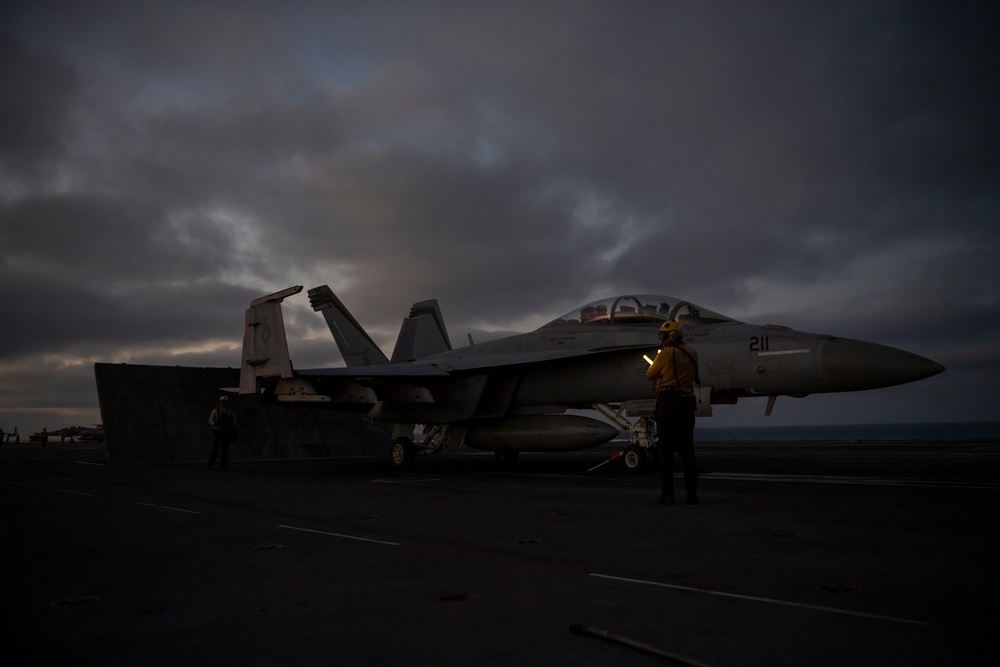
(930, 432)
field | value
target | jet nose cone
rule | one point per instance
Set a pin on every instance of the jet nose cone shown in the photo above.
(851, 365)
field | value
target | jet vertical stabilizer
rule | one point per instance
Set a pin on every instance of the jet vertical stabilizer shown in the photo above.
(423, 333)
(356, 346)
(265, 350)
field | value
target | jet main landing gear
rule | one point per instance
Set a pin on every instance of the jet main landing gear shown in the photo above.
(402, 453)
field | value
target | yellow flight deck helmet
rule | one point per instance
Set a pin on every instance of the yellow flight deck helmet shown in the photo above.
(671, 325)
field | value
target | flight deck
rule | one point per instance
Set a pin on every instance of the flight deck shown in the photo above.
(836, 554)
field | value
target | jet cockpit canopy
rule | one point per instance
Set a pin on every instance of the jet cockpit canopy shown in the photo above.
(640, 309)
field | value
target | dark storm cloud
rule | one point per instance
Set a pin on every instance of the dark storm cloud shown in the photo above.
(96, 271)
(781, 129)
(450, 223)
(231, 35)
(112, 244)
(56, 317)
(831, 166)
(35, 107)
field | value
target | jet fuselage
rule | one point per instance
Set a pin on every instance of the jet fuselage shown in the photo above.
(507, 394)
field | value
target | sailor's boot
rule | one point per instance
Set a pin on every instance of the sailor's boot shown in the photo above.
(691, 484)
(666, 479)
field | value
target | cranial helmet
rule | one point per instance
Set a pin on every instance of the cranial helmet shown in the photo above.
(671, 325)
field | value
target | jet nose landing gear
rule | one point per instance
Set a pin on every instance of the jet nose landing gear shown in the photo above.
(638, 459)
(641, 454)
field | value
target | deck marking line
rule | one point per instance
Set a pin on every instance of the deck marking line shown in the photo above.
(165, 507)
(346, 537)
(853, 481)
(75, 493)
(406, 481)
(754, 598)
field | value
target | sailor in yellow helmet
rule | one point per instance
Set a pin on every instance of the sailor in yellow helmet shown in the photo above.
(673, 374)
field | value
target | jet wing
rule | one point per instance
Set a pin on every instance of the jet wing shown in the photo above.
(388, 371)
(455, 363)
(509, 361)
(450, 387)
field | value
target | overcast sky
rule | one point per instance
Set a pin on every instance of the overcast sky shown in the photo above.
(829, 166)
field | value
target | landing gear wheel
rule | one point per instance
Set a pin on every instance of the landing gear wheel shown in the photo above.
(402, 453)
(506, 456)
(636, 459)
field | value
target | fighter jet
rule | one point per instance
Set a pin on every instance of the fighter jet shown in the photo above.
(513, 394)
